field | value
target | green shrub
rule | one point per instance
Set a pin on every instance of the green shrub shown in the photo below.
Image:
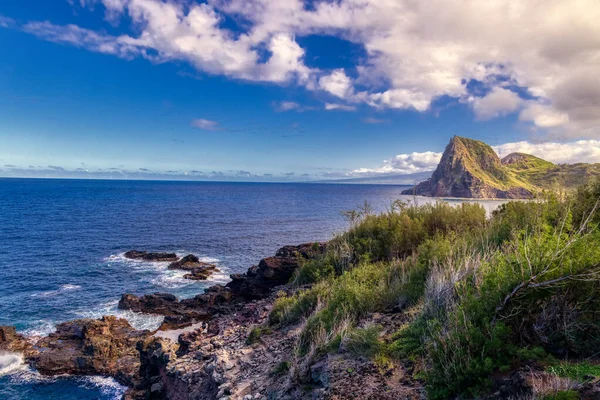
(282, 368)
(256, 333)
(488, 294)
(578, 371)
(364, 341)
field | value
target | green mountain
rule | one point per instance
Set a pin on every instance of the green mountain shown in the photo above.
(470, 168)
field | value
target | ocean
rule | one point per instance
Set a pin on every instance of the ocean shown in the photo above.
(62, 245)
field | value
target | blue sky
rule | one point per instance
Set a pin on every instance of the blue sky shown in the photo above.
(254, 90)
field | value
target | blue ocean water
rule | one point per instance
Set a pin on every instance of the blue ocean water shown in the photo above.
(61, 246)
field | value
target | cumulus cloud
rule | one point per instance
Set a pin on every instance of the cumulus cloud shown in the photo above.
(404, 164)
(586, 151)
(496, 103)
(205, 124)
(337, 83)
(414, 52)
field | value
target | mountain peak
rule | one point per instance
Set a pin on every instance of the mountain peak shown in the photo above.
(470, 168)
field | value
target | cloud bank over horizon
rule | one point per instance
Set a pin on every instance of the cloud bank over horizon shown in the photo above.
(581, 151)
(545, 75)
(415, 163)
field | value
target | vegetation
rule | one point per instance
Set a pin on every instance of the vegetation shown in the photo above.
(256, 333)
(472, 168)
(481, 294)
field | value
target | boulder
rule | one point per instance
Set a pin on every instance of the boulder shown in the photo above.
(201, 273)
(188, 263)
(148, 256)
(91, 347)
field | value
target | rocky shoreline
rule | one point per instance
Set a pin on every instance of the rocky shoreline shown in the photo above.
(219, 345)
(152, 365)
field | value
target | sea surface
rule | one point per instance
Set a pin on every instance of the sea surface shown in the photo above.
(62, 245)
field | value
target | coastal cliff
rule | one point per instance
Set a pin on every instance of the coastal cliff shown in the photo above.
(472, 169)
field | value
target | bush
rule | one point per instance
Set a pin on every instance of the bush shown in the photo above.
(490, 294)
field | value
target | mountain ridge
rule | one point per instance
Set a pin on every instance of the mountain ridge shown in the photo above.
(471, 169)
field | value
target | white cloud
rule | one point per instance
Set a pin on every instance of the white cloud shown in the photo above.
(496, 103)
(414, 52)
(404, 164)
(337, 83)
(205, 124)
(341, 107)
(581, 151)
(586, 151)
(282, 106)
(544, 116)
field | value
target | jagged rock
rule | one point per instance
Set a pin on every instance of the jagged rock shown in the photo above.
(148, 256)
(201, 273)
(188, 263)
(198, 270)
(91, 347)
(272, 271)
(306, 250)
(178, 314)
(14, 342)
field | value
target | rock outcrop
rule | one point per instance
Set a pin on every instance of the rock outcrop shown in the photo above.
(256, 283)
(198, 270)
(148, 256)
(91, 347)
(470, 168)
(11, 341)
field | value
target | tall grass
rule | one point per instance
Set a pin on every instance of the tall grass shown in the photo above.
(492, 292)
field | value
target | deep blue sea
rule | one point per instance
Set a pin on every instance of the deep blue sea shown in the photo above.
(61, 246)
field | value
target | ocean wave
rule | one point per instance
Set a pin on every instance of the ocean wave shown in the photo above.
(120, 258)
(11, 363)
(162, 276)
(42, 327)
(63, 288)
(108, 386)
(137, 320)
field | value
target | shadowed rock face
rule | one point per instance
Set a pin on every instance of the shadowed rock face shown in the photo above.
(91, 347)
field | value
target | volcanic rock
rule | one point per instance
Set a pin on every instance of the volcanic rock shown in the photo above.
(148, 256)
(91, 347)
(14, 342)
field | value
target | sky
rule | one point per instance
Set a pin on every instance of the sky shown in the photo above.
(291, 90)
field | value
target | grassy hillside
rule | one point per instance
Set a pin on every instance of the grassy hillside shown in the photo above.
(480, 296)
(471, 168)
(482, 162)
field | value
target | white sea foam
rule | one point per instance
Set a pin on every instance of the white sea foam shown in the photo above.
(11, 363)
(137, 320)
(63, 288)
(162, 276)
(107, 386)
(42, 327)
